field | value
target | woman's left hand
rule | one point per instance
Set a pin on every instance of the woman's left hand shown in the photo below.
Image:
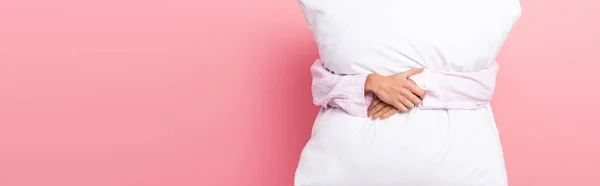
(381, 110)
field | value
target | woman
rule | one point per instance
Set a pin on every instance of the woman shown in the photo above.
(405, 87)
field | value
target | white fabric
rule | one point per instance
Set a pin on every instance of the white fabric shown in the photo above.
(443, 147)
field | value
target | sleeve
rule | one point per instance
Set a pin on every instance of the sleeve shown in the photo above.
(342, 91)
(457, 90)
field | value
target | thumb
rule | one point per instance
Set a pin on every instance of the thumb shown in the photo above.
(413, 72)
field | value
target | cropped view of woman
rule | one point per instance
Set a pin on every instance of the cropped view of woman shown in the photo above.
(405, 88)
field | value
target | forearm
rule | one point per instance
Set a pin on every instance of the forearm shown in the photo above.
(348, 92)
(457, 90)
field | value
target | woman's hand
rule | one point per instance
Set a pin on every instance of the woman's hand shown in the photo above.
(381, 110)
(397, 89)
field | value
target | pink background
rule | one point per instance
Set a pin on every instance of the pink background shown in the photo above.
(211, 93)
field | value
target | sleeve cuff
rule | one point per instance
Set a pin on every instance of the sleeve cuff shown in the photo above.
(357, 102)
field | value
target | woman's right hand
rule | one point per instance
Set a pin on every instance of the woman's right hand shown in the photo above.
(397, 89)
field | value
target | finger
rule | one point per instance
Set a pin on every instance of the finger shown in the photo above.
(411, 97)
(376, 109)
(389, 113)
(416, 90)
(412, 72)
(375, 102)
(400, 106)
(383, 111)
(407, 103)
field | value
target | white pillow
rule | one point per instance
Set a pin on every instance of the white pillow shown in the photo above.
(389, 36)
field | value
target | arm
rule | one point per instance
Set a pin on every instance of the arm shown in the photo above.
(457, 90)
(343, 91)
